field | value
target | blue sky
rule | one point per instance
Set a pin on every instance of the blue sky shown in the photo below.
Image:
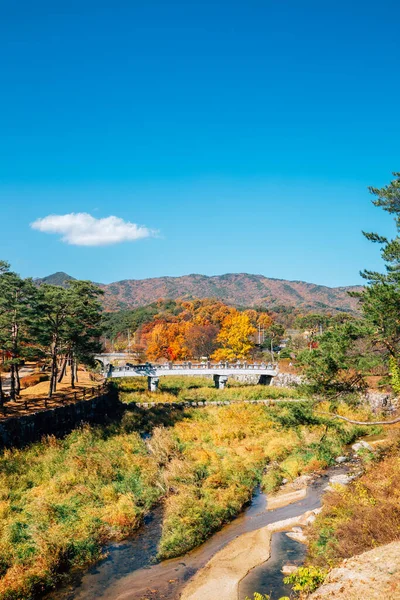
(241, 135)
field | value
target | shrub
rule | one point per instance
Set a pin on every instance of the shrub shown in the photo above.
(306, 579)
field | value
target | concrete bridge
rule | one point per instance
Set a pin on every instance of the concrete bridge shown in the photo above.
(219, 371)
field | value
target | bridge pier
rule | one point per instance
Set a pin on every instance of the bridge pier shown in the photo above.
(152, 383)
(220, 381)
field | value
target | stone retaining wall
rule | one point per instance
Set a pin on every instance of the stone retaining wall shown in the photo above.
(182, 405)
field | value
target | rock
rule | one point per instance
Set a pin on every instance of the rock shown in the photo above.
(380, 400)
(288, 569)
(310, 519)
(362, 446)
(373, 575)
(301, 482)
(341, 459)
(297, 536)
(342, 479)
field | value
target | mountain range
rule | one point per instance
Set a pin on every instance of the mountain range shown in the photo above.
(240, 289)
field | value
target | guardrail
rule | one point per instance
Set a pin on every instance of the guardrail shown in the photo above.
(196, 366)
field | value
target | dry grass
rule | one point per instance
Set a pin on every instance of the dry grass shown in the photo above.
(362, 516)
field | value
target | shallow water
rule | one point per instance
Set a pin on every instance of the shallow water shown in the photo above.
(267, 578)
(129, 571)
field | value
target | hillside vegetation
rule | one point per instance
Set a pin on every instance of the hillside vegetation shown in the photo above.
(240, 289)
(362, 516)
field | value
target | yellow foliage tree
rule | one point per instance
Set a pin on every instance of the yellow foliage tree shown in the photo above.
(235, 337)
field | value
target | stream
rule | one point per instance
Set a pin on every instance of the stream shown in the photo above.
(129, 572)
(267, 578)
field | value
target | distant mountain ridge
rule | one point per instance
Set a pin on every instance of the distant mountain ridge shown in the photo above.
(60, 278)
(240, 289)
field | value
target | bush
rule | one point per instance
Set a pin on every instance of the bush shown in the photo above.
(306, 579)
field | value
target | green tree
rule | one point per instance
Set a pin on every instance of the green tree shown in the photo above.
(83, 325)
(381, 299)
(70, 326)
(314, 322)
(17, 313)
(340, 361)
(55, 305)
(387, 198)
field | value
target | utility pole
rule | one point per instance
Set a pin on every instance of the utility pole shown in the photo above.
(129, 341)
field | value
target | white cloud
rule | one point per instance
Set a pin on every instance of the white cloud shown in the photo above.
(81, 229)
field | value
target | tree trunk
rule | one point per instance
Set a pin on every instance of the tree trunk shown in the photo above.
(17, 381)
(1, 393)
(54, 368)
(354, 422)
(63, 368)
(14, 353)
(12, 382)
(72, 371)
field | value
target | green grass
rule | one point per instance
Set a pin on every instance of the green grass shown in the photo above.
(197, 389)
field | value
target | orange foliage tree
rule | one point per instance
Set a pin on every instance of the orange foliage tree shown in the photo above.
(168, 341)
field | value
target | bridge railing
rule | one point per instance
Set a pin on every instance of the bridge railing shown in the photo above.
(208, 365)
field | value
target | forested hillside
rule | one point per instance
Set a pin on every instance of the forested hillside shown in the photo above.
(239, 289)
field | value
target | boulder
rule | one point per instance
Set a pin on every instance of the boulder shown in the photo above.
(341, 459)
(362, 446)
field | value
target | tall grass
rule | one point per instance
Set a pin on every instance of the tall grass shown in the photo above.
(221, 454)
(62, 500)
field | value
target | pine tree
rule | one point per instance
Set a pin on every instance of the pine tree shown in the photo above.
(17, 313)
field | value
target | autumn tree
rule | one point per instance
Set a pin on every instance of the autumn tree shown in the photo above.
(264, 320)
(167, 341)
(201, 340)
(235, 338)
